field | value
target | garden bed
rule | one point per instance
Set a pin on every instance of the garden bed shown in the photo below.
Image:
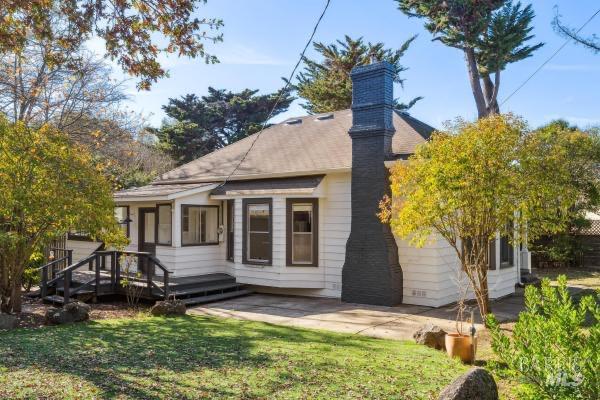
(34, 311)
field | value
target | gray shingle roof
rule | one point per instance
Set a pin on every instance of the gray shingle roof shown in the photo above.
(302, 148)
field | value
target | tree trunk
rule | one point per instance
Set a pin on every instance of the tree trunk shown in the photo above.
(491, 93)
(474, 79)
(482, 294)
(16, 297)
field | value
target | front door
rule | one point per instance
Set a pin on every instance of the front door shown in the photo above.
(147, 235)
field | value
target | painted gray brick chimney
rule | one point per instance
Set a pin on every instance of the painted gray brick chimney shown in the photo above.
(371, 273)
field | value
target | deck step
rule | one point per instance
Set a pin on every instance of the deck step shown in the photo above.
(33, 294)
(86, 291)
(55, 299)
(216, 297)
(205, 289)
(184, 283)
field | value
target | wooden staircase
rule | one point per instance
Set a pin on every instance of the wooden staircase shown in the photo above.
(206, 288)
(101, 275)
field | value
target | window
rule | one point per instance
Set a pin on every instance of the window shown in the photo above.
(122, 217)
(506, 253)
(257, 231)
(506, 248)
(302, 228)
(163, 221)
(199, 225)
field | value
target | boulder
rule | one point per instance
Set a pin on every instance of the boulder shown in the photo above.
(432, 336)
(7, 322)
(477, 383)
(168, 307)
(75, 311)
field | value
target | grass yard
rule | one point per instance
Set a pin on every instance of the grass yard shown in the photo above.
(196, 357)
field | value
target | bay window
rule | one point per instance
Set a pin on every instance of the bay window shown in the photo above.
(199, 225)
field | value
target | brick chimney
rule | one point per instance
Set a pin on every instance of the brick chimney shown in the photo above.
(372, 272)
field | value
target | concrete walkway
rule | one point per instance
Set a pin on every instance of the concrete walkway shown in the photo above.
(398, 322)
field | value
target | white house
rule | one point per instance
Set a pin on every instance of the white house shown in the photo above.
(276, 211)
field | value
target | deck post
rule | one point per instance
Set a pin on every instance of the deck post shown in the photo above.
(147, 261)
(166, 284)
(66, 286)
(69, 257)
(113, 257)
(97, 260)
(117, 271)
(44, 285)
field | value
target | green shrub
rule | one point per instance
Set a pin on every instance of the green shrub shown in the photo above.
(31, 273)
(555, 344)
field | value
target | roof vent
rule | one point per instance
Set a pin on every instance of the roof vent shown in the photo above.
(293, 121)
(324, 117)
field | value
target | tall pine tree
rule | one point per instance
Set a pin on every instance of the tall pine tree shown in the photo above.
(490, 33)
(326, 84)
(197, 126)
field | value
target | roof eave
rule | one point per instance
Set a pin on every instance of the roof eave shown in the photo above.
(257, 176)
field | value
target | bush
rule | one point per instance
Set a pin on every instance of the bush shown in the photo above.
(555, 344)
(31, 273)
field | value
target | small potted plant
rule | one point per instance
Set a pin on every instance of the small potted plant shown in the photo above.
(460, 343)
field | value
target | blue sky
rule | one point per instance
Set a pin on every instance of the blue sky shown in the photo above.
(263, 39)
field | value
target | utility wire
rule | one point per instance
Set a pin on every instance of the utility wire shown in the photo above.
(281, 94)
(549, 59)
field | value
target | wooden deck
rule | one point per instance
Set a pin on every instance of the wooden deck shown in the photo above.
(100, 276)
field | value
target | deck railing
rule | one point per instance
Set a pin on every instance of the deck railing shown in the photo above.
(100, 261)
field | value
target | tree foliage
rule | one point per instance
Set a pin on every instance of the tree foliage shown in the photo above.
(36, 92)
(326, 85)
(490, 33)
(129, 28)
(198, 126)
(554, 346)
(80, 98)
(475, 180)
(590, 42)
(48, 187)
(566, 246)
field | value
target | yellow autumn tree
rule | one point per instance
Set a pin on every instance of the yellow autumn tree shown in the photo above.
(477, 179)
(47, 186)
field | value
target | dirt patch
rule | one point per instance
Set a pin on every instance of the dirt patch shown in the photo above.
(34, 312)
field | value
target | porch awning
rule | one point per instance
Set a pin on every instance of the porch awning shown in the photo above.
(301, 185)
(161, 192)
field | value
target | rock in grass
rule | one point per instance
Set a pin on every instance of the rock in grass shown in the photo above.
(477, 383)
(432, 336)
(7, 322)
(75, 311)
(168, 307)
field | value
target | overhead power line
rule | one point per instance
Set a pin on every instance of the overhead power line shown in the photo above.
(281, 94)
(550, 58)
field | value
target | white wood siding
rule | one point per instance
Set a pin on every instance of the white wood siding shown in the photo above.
(82, 248)
(427, 272)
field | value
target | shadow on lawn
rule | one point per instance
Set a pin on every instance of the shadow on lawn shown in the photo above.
(127, 356)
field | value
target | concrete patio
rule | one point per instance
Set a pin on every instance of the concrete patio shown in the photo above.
(398, 322)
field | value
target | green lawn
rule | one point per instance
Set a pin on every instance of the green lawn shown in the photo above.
(198, 357)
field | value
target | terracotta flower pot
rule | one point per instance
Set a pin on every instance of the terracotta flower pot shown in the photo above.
(461, 346)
